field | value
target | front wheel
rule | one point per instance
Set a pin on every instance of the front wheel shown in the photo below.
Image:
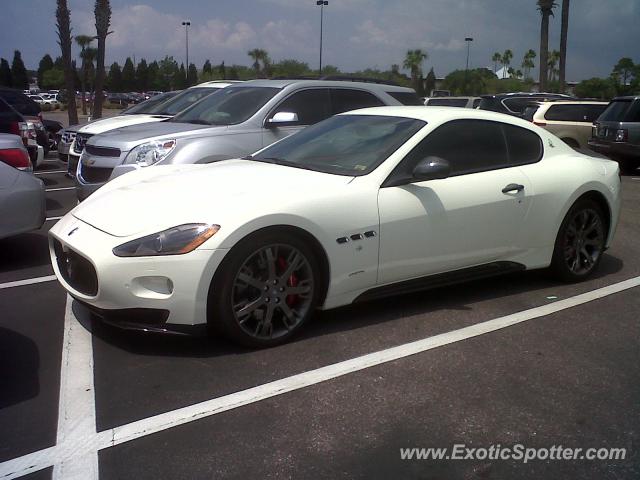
(580, 242)
(266, 290)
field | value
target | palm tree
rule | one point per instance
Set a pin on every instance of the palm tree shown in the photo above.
(63, 24)
(506, 60)
(527, 62)
(102, 12)
(83, 42)
(564, 29)
(496, 59)
(413, 62)
(546, 10)
(259, 55)
(90, 55)
(552, 63)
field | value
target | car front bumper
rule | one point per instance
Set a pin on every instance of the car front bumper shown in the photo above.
(132, 292)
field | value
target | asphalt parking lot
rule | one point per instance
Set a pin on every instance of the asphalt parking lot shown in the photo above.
(519, 359)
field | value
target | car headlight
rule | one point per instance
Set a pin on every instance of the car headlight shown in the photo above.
(149, 153)
(174, 241)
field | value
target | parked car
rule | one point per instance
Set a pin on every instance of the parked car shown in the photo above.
(464, 102)
(155, 112)
(515, 103)
(31, 112)
(616, 133)
(14, 153)
(361, 205)
(37, 98)
(571, 120)
(22, 195)
(232, 123)
(13, 122)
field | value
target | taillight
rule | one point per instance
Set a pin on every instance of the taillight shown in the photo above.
(622, 135)
(17, 158)
(540, 124)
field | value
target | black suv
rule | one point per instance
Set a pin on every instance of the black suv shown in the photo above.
(616, 133)
(515, 103)
(30, 110)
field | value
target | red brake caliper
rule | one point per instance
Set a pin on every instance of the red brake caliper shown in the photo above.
(292, 281)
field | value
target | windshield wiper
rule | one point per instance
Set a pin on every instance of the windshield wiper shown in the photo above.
(197, 121)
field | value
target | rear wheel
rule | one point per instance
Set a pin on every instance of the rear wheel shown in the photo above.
(267, 288)
(580, 242)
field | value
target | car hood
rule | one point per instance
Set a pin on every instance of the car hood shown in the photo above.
(106, 124)
(126, 138)
(153, 199)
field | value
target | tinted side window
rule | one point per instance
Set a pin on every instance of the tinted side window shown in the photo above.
(592, 112)
(634, 113)
(565, 113)
(406, 98)
(447, 102)
(524, 145)
(476, 103)
(310, 105)
(468, 145)
(345, 99)
(516, 105)
(616, 111)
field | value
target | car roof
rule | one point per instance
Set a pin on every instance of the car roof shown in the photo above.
(526, 94)
(282, 83)
(439, 114)
(451, 98)
(217, 83)
(627, 97)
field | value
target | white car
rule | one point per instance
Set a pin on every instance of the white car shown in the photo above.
(364, 204)
(177, 103)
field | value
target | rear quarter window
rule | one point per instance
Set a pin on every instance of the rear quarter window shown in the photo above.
(616, 111)
(406, 98)
(346, 99)
(524, 146)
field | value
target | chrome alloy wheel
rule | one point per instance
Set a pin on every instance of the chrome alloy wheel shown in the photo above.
(584, 241)
(272, 291)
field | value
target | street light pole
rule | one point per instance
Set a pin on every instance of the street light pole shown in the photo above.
(466, 71)
(186, 33)
(322, 4)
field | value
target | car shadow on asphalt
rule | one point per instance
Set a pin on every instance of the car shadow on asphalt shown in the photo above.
(19, 367)
(344, 319)
(24, 251)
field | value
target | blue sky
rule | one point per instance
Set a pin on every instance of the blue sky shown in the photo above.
(358, 33)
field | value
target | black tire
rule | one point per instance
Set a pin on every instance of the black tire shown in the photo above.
(580, 242)
(240, 285)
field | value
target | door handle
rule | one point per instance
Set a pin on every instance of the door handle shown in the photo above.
(513, 187)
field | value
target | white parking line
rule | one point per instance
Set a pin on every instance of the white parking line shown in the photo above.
(87, 445)
(76, 407)
(59, 189)
(28, 281)
(48, 172)
(50, 219)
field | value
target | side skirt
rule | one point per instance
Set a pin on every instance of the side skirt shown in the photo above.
(441, 280)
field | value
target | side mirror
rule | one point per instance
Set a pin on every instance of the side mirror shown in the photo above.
(431, 168)
(282, 119)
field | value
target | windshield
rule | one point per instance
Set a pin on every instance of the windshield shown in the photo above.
(183, 100)
(229, 106)
(350, 145)
(151, 103)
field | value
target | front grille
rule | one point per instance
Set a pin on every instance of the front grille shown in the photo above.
(95, 174)
(81, 141)
(103, 151)
(67, 137)
(76, 270)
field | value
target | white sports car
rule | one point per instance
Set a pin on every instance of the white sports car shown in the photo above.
(364, 204)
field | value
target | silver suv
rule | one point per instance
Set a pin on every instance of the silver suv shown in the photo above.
(233, 122)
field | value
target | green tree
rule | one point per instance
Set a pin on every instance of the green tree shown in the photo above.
(46, 63)
(128, 76)
(63, 26)
(496, 59)
(507, 56)
(153, 76)
(19, 72)
(83, 41)
(430, 82)
(527, 63)
(546, 10)
(473, 82)
(330, 70)
(179, 80)
(206, 68)
(142, 76)
(166, 73)
(222, 71)
(53, 79)
(600, 88)
(192, 75)
(114, 78)
(260, 59)
(102, 12)
(552, 65)
(623, 70)
(564, 32)
(5, 73)
(291, 68)
(413, 62)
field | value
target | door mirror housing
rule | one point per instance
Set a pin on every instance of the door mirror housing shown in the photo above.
(282, 119)
(431, 168)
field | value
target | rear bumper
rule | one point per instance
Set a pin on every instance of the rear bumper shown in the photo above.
(615, 149)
